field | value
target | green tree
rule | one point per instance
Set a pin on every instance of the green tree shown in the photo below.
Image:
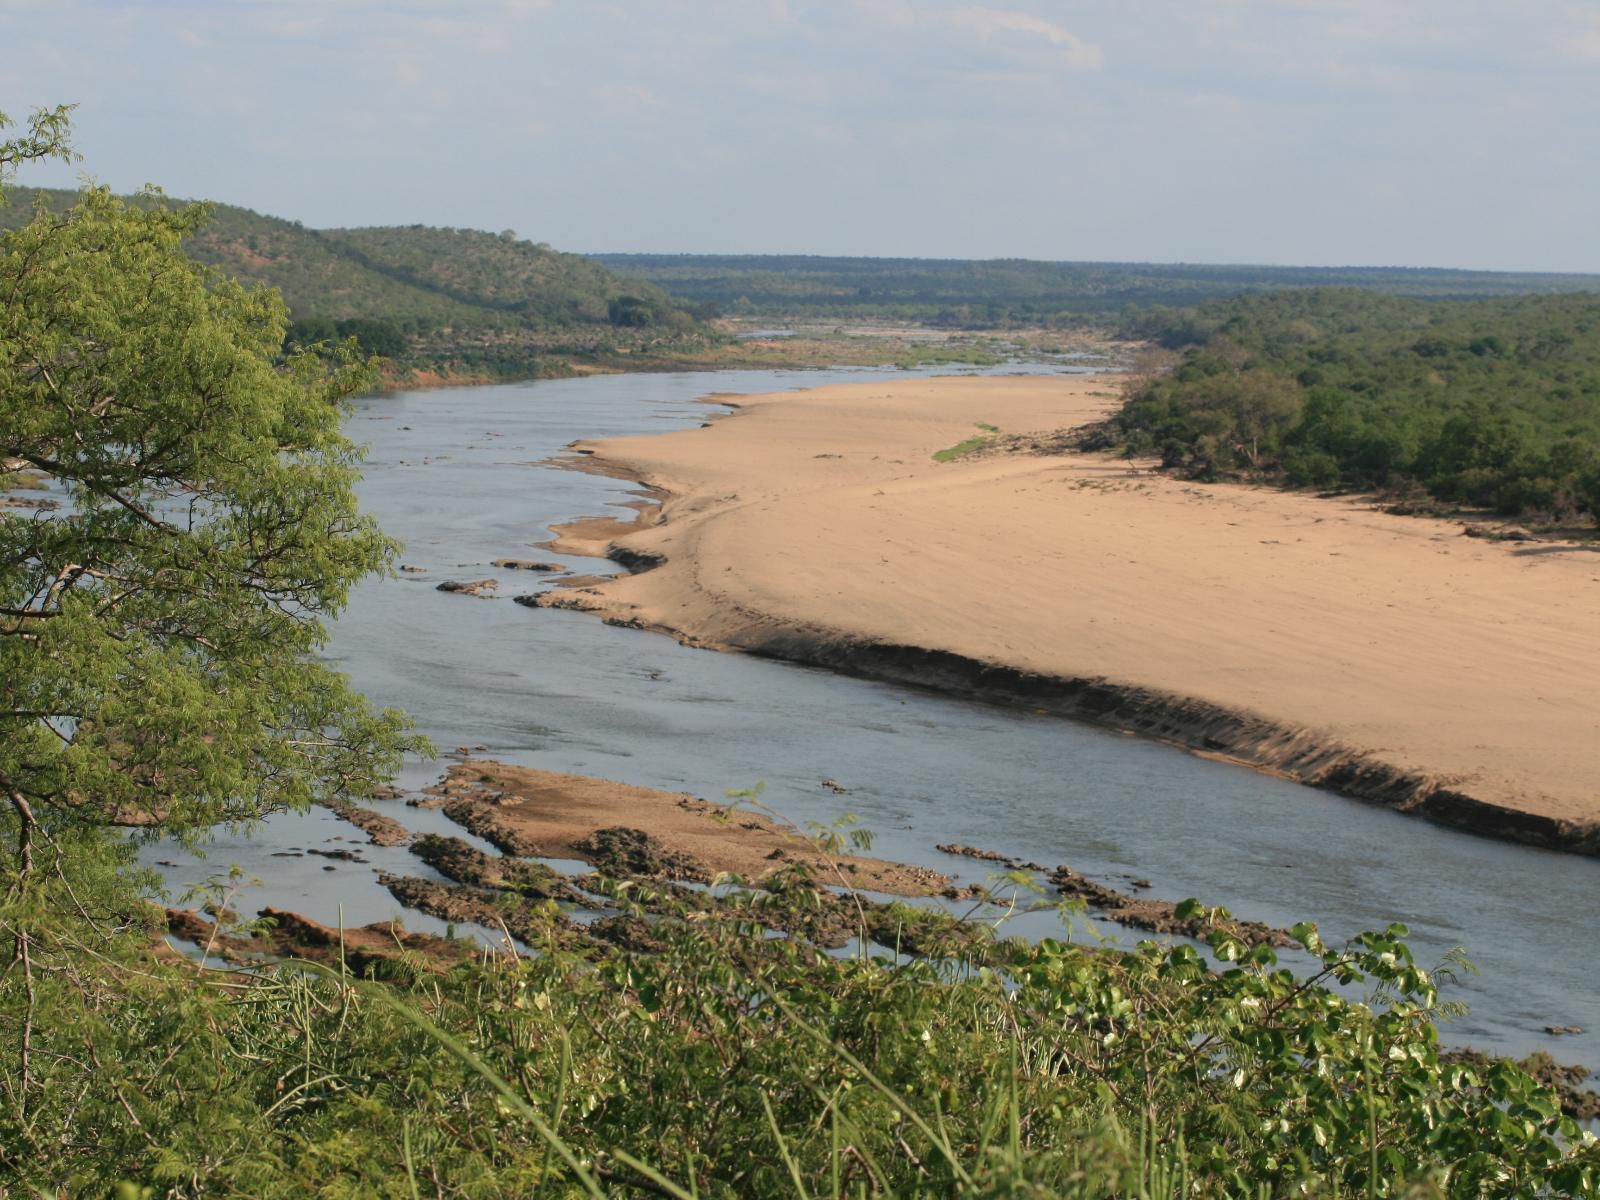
(157, 631)
(631, 312)
(46, 138)
(1255, 409)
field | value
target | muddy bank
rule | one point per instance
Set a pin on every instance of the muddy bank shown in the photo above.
(547, 814)
(283, 934)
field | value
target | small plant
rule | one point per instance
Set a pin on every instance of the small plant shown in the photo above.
(968, 446)
(216, 894)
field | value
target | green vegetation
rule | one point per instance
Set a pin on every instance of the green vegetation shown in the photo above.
(504, 280)
(963, 448)
(155, 646)
(925, 355)
(158, 665)
(1491, 403)
(724, 1063)
(1001, 293)
(455, 300)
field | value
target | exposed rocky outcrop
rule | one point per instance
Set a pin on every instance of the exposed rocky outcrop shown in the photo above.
(1159, 916)
(284, 934)
(482, 588)
(455, 859)
(380, 830)
(476, 815)
(527, 564)
(625, 853)
(994, 856)
(530, 922)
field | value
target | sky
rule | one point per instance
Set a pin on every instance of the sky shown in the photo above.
(1456, 133)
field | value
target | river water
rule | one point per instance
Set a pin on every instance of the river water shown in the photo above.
(456, 475)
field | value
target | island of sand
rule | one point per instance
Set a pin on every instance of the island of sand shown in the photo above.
(1386, 657)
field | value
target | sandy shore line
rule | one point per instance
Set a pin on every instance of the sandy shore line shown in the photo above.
(1384, 657)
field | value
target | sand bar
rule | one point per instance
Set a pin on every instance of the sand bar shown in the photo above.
(1387, 657)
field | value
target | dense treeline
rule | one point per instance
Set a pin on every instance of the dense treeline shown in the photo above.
(1006, 292)
(1492, 403)
(383, 338)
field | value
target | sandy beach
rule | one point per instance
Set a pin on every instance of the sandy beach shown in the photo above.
(1387, 657)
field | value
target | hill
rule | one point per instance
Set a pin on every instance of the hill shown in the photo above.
(455, 299)
(974, 293)
(499, 277)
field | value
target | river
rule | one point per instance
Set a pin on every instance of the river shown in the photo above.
(456, 475)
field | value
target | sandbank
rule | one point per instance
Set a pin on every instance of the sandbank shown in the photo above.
(1386, 657)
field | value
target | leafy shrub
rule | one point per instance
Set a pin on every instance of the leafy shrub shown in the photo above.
(732, 1064)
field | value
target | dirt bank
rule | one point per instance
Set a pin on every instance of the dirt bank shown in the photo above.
(635, 832)
(285, 934)
(1388, 658)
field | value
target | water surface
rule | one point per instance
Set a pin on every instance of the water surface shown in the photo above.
(456, 475)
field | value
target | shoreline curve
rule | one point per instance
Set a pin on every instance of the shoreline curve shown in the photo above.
(1240, 734)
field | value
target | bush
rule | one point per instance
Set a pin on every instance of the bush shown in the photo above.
(732, 1064)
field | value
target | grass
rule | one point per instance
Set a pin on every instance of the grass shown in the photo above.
(969, 446)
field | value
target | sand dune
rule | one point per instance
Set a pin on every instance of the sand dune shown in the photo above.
(1340, 644)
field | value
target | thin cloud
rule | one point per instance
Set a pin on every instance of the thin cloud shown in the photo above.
(295, 27)
(1582, 39)
(989, 23)
(894, 14)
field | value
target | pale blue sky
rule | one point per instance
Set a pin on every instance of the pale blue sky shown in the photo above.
(1416, 132)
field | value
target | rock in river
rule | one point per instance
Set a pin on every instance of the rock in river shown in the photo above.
(477, 587)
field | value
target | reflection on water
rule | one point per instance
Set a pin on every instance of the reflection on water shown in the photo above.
(455, 474)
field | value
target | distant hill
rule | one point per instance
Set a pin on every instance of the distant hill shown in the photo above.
(973, 293)
(495, 273)
(477, 301)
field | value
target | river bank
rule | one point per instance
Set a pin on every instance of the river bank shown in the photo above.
(1386, 658)
(455, 474)
(743, 345)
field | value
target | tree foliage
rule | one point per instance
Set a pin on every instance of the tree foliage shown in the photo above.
(724, 1063)
(1491, 403)
(156, 636)
(159, 625)
(382, 338)
(158, 628)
